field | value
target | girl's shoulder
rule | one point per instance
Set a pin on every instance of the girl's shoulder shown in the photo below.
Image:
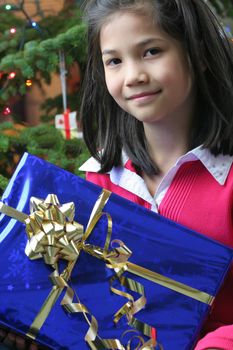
(91, 168)
(117, 181)
(91, 165)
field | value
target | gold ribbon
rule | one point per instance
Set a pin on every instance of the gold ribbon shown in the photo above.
(53, 235)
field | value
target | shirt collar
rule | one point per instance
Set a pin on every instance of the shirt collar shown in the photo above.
(218, 166)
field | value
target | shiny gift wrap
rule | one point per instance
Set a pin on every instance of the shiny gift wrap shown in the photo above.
(159, 247)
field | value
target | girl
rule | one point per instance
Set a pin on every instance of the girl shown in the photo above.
(157, 118)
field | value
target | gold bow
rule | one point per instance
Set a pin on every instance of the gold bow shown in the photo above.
(53, 235)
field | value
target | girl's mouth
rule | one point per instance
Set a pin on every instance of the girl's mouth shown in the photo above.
(144, 96)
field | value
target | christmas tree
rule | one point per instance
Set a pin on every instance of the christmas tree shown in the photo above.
(31, 52)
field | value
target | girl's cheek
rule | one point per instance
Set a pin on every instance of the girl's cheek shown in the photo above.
(112, 87)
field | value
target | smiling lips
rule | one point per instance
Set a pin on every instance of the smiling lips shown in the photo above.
(143, 96)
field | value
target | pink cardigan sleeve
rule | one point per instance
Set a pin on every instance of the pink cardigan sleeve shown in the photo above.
(221, 338)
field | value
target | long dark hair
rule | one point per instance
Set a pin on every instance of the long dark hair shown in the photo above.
(107, 128)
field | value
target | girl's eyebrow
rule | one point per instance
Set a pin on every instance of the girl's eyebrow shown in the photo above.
(109, 52)
(139, 44)
(149, 41)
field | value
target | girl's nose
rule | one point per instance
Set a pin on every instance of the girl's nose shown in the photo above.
(135, 74)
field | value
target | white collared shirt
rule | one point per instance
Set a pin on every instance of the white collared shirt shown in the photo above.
(218, 167)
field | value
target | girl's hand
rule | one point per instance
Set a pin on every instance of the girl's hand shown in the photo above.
(12, 340)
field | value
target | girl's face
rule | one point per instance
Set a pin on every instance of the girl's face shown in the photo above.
(147, 72)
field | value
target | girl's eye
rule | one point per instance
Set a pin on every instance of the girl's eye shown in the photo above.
(113, 62)
(152, 52)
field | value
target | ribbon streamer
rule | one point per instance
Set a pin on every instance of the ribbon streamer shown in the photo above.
(53, 235)
(66, 115)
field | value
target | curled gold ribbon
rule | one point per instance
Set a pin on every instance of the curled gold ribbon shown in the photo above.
(53, 235)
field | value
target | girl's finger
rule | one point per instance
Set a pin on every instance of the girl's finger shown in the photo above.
(33, 347)
(2, 334)
(9, 339)
(20, 343)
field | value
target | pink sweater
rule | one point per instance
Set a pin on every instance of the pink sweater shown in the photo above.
(196, 200)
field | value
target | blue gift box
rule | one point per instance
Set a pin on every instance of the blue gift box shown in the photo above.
(157, 244)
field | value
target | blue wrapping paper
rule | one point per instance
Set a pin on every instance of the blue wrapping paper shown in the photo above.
(157, 244)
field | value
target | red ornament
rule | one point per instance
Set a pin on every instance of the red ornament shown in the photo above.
(6, 111)
(12, 75)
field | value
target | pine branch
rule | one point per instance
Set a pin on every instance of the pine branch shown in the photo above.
(42, 57)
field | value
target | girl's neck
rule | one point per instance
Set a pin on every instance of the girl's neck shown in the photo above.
(166, 144)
